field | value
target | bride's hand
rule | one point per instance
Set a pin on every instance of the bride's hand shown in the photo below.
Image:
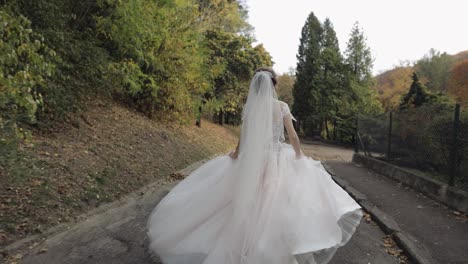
(300, 155)
(233, 154)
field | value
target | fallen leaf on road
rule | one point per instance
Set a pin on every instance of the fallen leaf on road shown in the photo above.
(392, 249)
(367, 218)
(460, 216)
(177, 176)
(35, 244)
(42, 250)
(13, 259)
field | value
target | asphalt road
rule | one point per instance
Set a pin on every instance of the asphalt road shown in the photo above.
(117, 235)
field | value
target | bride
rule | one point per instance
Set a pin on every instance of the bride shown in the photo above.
(264, 203)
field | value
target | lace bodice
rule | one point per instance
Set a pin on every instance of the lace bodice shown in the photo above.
(281, 110)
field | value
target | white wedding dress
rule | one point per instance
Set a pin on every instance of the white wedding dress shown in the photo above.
(265, 207)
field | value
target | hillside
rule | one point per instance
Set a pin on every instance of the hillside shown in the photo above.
(97, 157)
(461, 56)
(392, 84)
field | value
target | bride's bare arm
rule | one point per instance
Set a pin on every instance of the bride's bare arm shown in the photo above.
(293, 137)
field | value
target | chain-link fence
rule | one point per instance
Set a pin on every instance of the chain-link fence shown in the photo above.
(431, 139)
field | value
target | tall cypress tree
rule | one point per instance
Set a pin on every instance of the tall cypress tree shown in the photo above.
(305, 91)
(359, 56)
(359, 78)
(332, 82)
(417, 95)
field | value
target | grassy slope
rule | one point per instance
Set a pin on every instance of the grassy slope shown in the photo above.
(101, 155)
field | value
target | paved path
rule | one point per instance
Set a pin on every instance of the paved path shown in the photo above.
(117, 235)
(433, 227)
(321, 151)
(365, 247)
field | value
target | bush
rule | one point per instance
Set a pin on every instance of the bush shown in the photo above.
(154, 55)
(159, 56)
(68, 27)
(25, 65)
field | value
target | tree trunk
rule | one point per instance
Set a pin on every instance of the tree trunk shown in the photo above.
(334, 129)
(320, 127)
(227, 119)
(198, 121)
(326, 129)
(221, 117)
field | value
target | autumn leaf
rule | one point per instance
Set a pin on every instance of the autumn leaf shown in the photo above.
(367, 218)
(458, 84)
(42, 250)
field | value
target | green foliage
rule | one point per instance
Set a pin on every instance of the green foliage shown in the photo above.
(68, 28)
(232, 61)
(359, 62)
(434, 69)
(158, 56)
(331, 88)
(175, 56)
(308, 71)
(152, 54)
(439, 72)
(424, 137)
(158, 52)
(285, 87)
(358, 56)
(25, 64)
(225, 15)
(332, 91)
(419, 95)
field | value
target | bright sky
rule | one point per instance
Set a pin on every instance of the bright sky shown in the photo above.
(397, 30)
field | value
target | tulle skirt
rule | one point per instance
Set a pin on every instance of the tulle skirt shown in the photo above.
(303, 216)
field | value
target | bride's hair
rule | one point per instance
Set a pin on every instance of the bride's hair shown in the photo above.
(270, 70)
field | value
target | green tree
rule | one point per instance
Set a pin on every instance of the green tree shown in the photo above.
(285, 87)
(67, 27)
(358, 56)
(306, 91)
(417, 95)
(332, 90)
(153, 55)
(434, 70)
(168, 55)
(359, 80)
(233, 60)
(26, 64)
(226, 15)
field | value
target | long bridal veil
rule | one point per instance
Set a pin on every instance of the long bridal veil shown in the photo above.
(255, 147)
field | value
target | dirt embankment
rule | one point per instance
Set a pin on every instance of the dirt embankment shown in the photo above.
(101, 155)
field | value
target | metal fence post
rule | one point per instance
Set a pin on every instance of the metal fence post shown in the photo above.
(356, 138)
(389, 139)
(454, 147)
